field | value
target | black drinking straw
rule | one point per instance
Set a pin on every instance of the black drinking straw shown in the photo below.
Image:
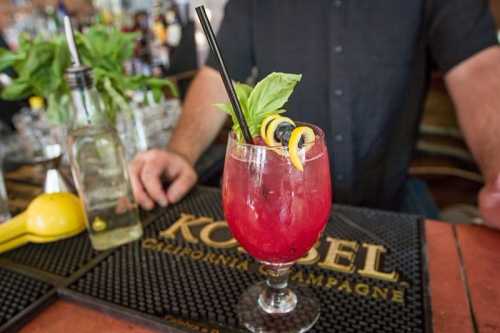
(226, 78)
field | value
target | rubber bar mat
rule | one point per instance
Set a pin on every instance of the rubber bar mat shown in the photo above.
(58, 261)
(20, 298)
(61, 258)
(368, 271)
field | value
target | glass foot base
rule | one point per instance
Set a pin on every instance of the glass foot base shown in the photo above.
(300, 319)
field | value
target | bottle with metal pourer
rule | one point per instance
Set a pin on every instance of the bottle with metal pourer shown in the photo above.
(97, 162)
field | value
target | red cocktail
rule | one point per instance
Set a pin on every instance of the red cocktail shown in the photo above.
(277, 213)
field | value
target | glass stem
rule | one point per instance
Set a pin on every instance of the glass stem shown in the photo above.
(276, 296)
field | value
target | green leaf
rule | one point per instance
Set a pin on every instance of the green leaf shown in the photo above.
(125, 43)
(225, 107)
(101, 43)
(40, 66)
(61, 60)
(141, 82)
(162, 83)
(25, 41)
(243, 91)
(18, 89)
(116, 97)
(106, 47)
(157, 95)
(267, 98)
(8, 58)
(40, 56)
(58, 108)
(272, 92)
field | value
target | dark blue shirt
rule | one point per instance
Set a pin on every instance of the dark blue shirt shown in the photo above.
(365, 66)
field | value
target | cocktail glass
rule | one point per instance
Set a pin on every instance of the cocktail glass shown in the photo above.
(277, 213)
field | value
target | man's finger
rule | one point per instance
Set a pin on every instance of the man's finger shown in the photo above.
(140, 195)
(151, 179)
(181, 185)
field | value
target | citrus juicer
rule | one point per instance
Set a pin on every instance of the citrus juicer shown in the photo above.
(48, 218)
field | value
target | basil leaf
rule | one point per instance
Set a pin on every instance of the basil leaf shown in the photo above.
(60, 62)
(53, 108)
(40, 55)
(25, 41)
(157, 95)
(125, 43)
(8, 58)
(40, 65)
(267, 98)
(101, 42)
(42, 81)
(243, 91)
(58, 108)
(117, 98)
(160, 83)
(272, 92)
(18, 89)
(227, 108)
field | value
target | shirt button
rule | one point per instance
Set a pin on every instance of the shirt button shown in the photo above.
(339, 177)
(339, 92)
(338, 49)
(337, 3)
(339, 138)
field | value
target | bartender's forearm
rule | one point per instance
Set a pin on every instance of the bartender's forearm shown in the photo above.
(200, 121)
(475, 88)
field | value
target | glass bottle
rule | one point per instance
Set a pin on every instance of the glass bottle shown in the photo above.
(99, 168)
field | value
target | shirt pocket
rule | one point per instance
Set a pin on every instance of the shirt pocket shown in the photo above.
(385, 31)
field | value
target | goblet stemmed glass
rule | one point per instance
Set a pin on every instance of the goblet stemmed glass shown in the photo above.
(277, 213)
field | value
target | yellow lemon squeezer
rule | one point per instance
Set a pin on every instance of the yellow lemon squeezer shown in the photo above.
(48, 218)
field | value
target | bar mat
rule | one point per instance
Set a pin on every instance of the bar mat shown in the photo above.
(20, 298)
(191, 276)
(61, 258)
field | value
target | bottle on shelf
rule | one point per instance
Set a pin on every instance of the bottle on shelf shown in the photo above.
(160, 55)
(141, 61)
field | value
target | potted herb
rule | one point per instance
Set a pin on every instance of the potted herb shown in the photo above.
(40, 66)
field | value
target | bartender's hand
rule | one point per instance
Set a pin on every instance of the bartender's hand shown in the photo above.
(149, 170)
(489, 204)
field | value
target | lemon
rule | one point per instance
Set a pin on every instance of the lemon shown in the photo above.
(53, 214)
(271, 128)
(263, 125)
(293, 145)
(98, 224)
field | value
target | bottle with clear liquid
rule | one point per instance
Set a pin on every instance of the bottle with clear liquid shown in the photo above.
(99, 167)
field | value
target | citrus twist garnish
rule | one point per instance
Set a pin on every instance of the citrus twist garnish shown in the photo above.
(270, 138)
(301, 137)
(264, 124)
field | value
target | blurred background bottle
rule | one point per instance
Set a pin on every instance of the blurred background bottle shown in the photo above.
(36, 134)
(99, 168)
(160, 55)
